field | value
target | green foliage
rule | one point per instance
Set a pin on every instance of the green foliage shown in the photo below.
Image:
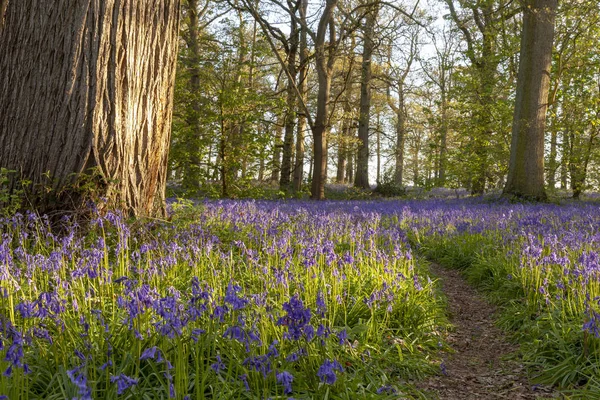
(387, 187)
(10, 200)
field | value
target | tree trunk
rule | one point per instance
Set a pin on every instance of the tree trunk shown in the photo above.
(192, 64)
(350, 166)
(441, 178)
(277, 152)
(400, 136)
(378, 149)
(85, 86)
(302, 89)
(552, 165)
(526, 168)
(362, 162)
(565, 155)
(324, 60)
(290, 116)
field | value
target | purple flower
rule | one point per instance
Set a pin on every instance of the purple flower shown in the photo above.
(218, 366)
(260, 364)
(123, 382)
(342, 336)
(327, 370)
(149, 353)
(321, 306)
(296, 318)
(232, 298)
(244, 379)
(386, 389)
(79, 379)
(285, 378)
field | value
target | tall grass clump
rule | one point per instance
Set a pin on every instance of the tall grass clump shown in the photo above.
(229, 300)
(541, 263)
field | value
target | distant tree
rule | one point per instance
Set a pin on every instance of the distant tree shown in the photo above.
(362, 160)
(526, 168)
(84, 86)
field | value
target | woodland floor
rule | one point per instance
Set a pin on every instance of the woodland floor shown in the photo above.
(480, 366)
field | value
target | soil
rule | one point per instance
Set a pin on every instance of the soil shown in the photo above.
(482, 364)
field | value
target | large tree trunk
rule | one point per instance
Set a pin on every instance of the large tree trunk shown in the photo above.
(526, 168)
(88, 85)
(362, 162)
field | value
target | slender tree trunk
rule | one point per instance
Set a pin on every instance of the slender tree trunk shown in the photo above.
(565, 155)
(441, 178)
(324, 60)
(192, 63)
(362, 172)
(526, 168)
(88, 86)
(350, 166)
(400, 135)
(552, 165)
(277, 152)
(378, 179)
(302, 88)
(290, 116)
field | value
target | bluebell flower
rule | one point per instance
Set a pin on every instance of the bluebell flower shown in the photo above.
(327, 370)
(232, 298)
(296, 318)
(286, 379)
(79, 379)
(342, 336)
(244, 379)
(321, 305)
(123, 382)
(218, 366)
(386, 389)
(260, 363)
(149, 353)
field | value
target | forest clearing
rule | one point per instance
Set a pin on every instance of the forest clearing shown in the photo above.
(299, 199)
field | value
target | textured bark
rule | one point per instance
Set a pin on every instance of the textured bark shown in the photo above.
(362, 161)
(192, 64)
(350, 166)
(552, 164)
(400, 137)
(324, 60)
(277, 152)
(441, 170)
(89, 84)
(347, 131)
(291, 102)
(526, 168)
(302, 89)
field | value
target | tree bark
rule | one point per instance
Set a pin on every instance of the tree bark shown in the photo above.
(192, 167)
(290, 116)
(526, 168)
(302, 88)
(362, 161)
(324, 60)
(400, 137)
(277, 152)
(88, 85)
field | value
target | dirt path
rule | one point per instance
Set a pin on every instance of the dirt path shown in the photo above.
(477, 369)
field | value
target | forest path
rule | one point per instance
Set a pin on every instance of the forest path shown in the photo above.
(478, 368)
